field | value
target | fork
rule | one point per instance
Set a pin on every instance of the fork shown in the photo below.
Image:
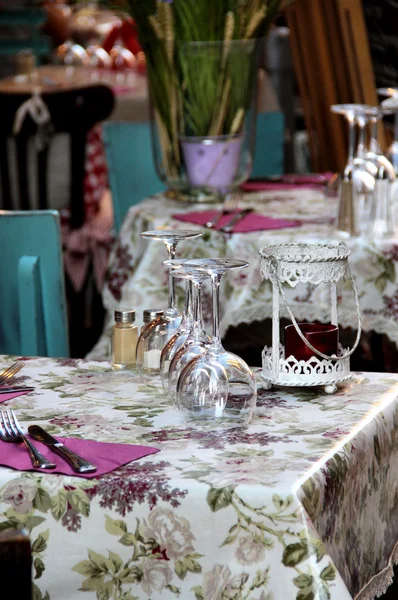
(11, 371)
(237, 217)
(11, 431)
(230, 204)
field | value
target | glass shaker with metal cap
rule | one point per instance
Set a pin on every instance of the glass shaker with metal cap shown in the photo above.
(150, 314)
(124, 339)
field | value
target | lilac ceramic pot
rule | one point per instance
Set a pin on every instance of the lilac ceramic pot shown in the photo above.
(211, 162)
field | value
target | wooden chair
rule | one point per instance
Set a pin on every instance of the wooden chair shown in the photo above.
(16, 564)
(32, 298)
(333, 65)
(73, 111)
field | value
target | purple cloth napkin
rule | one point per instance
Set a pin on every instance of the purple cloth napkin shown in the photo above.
(4, 397)
(288, 182)
(106, 456)
(250, 222)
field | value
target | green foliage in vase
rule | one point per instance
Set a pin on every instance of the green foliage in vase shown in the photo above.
(199, 56)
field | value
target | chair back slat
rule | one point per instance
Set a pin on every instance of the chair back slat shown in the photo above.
(30, 307)
(32, 296)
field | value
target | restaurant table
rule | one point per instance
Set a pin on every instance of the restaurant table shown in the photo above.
(137, 279)
(301, 504)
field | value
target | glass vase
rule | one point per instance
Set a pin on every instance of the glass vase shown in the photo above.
(203, 118)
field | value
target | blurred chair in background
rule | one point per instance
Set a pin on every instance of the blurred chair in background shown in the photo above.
(269, 148)
(20, 27)
(33, 319)
(16, 564)
(131, 171)
(72, 111)
(279, 66)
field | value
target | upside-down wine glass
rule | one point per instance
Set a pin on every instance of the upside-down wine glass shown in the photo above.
(379, 212)
(392, 152)
(356, 168)
(365, 172)
(374, 154)
(359, 171)
(217, 386)
(155, 334)
(181, 334)
(197, 340)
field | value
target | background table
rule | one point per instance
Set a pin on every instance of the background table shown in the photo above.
(137, 279)
(268, 511)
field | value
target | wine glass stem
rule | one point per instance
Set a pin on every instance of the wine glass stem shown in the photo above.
(188, 300)
(361, 139)
(374, 141)
(351, 141)
(216, 280)
(197, 308)
(171, 249)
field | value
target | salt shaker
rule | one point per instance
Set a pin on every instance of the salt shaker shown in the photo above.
(124, 339)
(150, 314)
(151, 357)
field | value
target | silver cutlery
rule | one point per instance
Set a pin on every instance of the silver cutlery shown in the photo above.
(230, 205)
(215, 221)
(11, 431)
(11, 371)
(77, 463)
(15, 390)
(230, 226)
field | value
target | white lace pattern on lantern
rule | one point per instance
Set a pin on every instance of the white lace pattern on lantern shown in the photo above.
(302, 373)
(305, 263)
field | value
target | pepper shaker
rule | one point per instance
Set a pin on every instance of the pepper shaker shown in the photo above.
(124, 339)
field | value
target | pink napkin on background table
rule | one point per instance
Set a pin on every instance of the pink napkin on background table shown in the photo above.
(250, 222)
(287, 182)
(106, 456)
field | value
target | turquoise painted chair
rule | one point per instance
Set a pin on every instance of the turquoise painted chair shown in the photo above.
(28, 20)
(269, 147)
(33, 318)
(132, 174)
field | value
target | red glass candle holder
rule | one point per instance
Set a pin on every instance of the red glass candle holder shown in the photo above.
(324, 338)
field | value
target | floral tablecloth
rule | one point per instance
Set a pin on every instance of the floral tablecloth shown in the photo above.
(137, 279)
(302, 504)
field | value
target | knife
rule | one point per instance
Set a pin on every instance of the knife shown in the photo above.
(230, 226)
(77, 463)
(12, 390)
(215, 221)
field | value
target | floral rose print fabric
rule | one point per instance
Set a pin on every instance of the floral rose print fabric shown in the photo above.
(301, 504)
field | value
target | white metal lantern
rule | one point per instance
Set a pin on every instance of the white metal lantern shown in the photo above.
(315, 264)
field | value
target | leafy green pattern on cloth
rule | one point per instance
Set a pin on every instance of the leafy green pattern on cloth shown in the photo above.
(301, 504)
